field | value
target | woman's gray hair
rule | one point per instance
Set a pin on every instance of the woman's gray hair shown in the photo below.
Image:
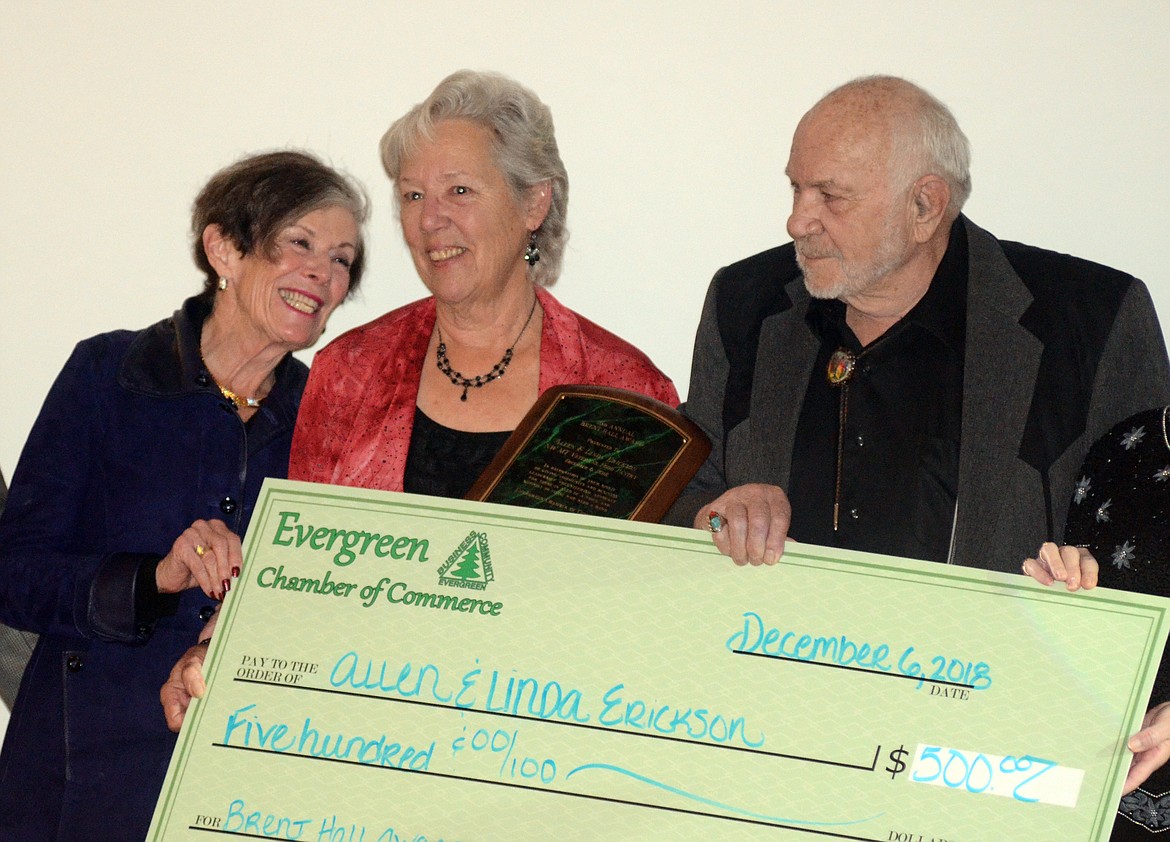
(934, 144)
(524, 147)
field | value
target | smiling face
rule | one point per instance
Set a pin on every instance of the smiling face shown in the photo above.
(287, 298)
(462, 223)
(851, 225)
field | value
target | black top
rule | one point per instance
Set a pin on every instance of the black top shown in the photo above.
(443, 462)
(1120, 511)
(902, 419)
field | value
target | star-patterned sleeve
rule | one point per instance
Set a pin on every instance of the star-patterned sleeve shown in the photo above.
(1121, 504)
(1120, 510)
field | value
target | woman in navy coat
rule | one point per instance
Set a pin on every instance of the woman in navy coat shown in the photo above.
(121, 531)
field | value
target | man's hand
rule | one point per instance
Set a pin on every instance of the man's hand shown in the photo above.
(748, 523)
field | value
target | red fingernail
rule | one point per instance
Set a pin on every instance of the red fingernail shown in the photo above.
(236, 572)
(227, 585)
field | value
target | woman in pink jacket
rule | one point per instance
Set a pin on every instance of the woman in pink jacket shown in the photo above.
(422, 398)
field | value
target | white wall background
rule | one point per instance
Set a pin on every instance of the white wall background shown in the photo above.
(673, 117)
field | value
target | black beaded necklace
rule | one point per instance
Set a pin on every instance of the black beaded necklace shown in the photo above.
(456, 377)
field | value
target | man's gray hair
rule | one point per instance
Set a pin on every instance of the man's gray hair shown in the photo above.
(936, 145)
(524, 147)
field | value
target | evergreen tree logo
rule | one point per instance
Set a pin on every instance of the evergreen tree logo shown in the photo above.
(470, 566)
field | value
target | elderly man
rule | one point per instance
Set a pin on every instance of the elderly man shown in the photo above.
(917, 387)
(913, 385)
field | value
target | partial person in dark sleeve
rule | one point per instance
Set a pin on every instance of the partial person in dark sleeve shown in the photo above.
(1118, 536)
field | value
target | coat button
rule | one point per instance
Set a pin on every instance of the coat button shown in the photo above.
(73, 663)
(227, 505)
(202, 379)
(853, 513)
(205, 612)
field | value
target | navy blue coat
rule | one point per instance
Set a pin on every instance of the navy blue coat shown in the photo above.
(133, 444)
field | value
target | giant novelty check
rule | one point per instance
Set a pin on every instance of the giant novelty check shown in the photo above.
(392, 667)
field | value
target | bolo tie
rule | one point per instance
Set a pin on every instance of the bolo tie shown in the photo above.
(839, 372)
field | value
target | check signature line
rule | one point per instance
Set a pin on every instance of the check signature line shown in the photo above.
(242, 835)
(627, 802)
(602, 729)
(882, 673)
(222, 832)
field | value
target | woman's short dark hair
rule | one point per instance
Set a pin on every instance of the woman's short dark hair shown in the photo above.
(253, 199)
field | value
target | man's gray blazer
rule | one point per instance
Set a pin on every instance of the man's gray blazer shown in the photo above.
(1058, 350)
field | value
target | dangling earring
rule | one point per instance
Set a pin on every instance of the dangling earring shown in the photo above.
(223, 282)
(532, 253)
